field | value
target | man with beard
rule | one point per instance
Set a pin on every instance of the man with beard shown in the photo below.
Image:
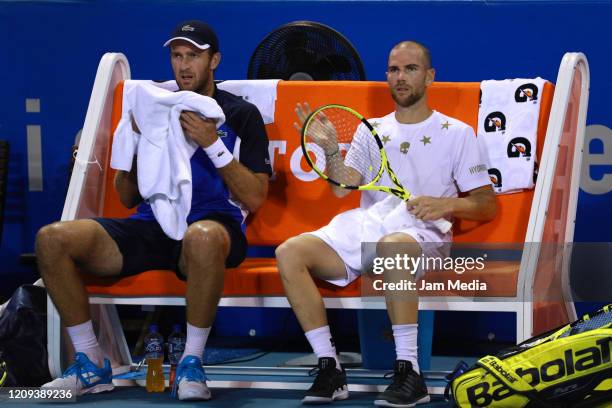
(223, 194)
(435, 157)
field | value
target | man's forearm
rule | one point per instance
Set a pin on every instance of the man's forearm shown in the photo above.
(126, 184)
(248, 188)
(477, 207)
(340, 172)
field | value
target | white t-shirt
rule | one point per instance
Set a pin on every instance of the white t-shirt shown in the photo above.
(437, 157)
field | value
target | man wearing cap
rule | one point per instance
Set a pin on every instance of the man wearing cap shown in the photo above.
(226, 187)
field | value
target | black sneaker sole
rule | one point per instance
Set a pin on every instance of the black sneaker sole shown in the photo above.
(341, 394)
(384, 403)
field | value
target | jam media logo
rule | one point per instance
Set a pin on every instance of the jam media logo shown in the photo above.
(495, 121)
(496, 178)
(519, 147)
(527, 92)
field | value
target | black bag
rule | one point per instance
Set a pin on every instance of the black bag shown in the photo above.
(23, 338)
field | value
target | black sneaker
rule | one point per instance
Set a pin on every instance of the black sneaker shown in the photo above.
(407, 389)
(329, 385)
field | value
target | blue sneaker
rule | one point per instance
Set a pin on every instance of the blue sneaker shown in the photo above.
(84, 377)
(190, 382)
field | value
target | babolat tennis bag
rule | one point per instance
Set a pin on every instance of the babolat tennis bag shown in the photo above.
(566, 367)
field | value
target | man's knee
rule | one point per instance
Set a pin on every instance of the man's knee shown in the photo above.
(399, 238)
(398, 243)
(298, 253)
(291, 249)
(207, 238)
(283, 251)
(53, 242)
(52, 238)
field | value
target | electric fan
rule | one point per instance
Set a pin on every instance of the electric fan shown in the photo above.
(306, 50)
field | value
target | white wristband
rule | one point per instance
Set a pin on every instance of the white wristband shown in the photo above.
(218, 154)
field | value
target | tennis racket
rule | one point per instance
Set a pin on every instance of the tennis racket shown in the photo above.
(333, 129)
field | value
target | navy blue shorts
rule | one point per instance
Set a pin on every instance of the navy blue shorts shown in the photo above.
(144, 245)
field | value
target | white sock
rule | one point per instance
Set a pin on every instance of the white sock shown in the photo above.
(322, 343)
(405, 336)
(196, 340)
(84, 341)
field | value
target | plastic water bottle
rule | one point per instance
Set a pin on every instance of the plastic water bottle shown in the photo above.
(176, 346)
(154, 353)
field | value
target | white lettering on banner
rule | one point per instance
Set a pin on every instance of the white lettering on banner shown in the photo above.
(295, 163)
(296, 160)
(273, 146)
(588, 184)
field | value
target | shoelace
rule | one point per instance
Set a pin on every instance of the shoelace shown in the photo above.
(398, 380)
(313, 371)
(190, 370)
(322, 376)
(76, 369)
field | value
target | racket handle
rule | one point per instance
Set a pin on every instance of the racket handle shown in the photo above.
(443, 225)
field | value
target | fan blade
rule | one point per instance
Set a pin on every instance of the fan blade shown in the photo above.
(300, 57)
(340, 63)
(332, 63)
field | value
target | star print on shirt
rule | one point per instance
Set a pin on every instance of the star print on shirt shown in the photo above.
(374, 124)
(386, 139)
(425, 140)
(446, 125)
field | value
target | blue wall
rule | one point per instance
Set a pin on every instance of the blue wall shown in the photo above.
(50, 50)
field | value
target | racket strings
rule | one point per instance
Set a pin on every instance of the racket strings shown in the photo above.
(339, 143)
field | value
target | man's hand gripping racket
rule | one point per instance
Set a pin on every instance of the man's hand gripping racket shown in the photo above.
(331, 126)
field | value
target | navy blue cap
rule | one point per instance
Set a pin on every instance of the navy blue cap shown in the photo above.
(197, 33)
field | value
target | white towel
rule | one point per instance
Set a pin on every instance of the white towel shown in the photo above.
(164, 152)
(507, 128)
(260, 92)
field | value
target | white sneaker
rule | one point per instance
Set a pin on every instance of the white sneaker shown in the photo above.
(191, 380)
(84, 377)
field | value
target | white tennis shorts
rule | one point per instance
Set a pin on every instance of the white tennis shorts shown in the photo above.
(346, 232)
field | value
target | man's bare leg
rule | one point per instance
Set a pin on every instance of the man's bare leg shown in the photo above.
(62, 250)
(206, 246)
(407, 387)
(402, 307)
(299, 259)
(65, 248)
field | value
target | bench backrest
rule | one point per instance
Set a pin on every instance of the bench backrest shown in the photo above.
(298, 201)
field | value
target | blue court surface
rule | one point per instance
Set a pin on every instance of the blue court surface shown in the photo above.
(226, 397)
(266, 370)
